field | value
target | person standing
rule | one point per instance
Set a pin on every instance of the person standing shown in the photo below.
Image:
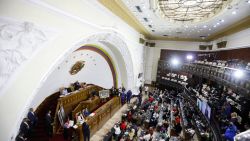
(140, 98)
(117, 132)
(32, 117)
(140, 89)
(25, 127)
(123, 98)
(146, 90)
(129, 94)
(86, 131)
(48, 121)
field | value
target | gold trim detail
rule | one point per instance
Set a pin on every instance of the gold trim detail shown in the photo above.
(119, 9)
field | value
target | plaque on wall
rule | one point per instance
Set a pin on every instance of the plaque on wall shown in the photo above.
(77, 67)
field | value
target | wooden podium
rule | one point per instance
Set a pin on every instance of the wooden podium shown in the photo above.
(102, 115)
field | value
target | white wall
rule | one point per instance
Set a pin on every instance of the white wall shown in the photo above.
(70, 22)
(237, 40)
(95, 71)
(153, 55)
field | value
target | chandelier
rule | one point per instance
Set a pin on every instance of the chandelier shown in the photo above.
(189, 10)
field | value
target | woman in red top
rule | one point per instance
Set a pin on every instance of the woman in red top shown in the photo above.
(123, 126)
(151, 99)
(177, 120)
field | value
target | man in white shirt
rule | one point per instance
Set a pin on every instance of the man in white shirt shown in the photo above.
(117, 131)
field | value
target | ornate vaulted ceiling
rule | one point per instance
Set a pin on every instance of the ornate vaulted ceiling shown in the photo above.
(193, 20)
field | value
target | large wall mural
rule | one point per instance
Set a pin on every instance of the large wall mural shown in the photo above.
(18, 42)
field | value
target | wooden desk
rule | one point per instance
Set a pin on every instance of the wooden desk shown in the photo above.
(91, 104)
(102, 115)
(70, 102)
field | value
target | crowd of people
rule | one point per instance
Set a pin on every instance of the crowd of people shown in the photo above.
(229, 110)
(156, 118)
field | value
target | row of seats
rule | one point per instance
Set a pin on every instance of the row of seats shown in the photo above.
(214, 73)
(223, 63)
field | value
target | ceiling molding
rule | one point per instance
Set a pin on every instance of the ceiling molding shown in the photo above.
(176, 39)
(119, 9)
(238, 26)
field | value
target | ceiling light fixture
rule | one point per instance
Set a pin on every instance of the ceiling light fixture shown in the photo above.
(215, 26)
(209, 29)
(234, 12)
(222, 21)
(218, 23)
(189, 11)
(205, 26)
(248, 1)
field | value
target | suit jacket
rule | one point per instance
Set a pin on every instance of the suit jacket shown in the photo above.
(85, 129)
(24, 127)
(48, 120)
(32, 117)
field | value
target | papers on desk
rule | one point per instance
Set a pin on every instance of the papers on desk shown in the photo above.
(92, 114)
(75, 126)
(71, 123)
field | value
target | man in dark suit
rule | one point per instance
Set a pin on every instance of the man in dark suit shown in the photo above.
(48, 121)
(25, 127)
(20, 137)
(32, 117)
(86, 131)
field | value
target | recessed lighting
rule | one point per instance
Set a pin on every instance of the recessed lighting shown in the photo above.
(215, 26)
(209, 29)
(234, 12)
(222, 21)
(205, 26)
(218, 23)
(248, 1)
(186, 26)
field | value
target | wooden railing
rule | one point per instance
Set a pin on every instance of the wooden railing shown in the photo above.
(102, 114)
(70, 102)
(91, 105)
